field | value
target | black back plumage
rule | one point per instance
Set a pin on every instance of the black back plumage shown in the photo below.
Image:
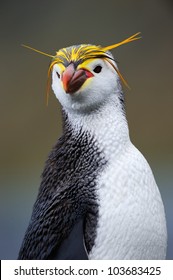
(66, 197)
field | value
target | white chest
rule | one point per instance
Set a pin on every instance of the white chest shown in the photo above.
(131, 222)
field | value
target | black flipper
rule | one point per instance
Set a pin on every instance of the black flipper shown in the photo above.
(72, 248)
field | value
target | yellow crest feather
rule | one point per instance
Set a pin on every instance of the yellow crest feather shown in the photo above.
(126, 41)
(35, 50)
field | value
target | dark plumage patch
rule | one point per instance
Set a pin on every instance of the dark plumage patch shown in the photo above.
(66, 195)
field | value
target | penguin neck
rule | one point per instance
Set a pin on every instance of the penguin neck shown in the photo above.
(106, 125)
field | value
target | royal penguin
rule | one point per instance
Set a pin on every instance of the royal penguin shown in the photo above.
(98, 198)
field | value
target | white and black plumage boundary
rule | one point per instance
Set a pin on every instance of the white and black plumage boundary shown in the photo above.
(66, 197)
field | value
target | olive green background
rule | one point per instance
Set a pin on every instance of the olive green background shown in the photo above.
(29, 129)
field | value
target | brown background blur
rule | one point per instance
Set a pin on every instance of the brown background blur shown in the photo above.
(29, 129)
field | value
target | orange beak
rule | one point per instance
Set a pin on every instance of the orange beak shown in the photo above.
(73, 79)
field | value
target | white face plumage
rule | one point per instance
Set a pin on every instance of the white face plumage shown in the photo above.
(92, 91)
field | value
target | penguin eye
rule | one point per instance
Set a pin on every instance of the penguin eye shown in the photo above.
(98, 69)
(58, 74)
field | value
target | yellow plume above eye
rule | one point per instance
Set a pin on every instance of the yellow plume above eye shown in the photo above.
(104, 49)
(81, 53)
(126, 41)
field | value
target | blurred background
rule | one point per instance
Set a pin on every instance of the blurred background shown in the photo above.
(29, 129)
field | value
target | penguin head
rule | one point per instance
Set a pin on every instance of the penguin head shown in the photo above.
(85, 79)
(85, 76)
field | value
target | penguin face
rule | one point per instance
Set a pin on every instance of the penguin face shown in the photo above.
(85, 86)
